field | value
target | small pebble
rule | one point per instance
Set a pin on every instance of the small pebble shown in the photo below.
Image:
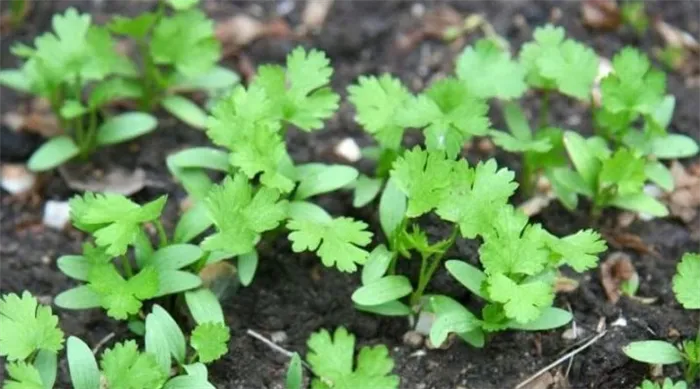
(413, 339)
(56, 214)
(417, 10)
(278, 337)
(620, 322)
(16, 179)
(349, 150)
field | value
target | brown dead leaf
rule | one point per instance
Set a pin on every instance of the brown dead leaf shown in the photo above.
(84, 177)
(314, 15)
(684, 200)
(220, 277)
(240, 30)
(544, 381)
(37, 117)
(627, 240)
(616, 269)
(563, 284)
(674, 36)
(434, 24)
(601, 14)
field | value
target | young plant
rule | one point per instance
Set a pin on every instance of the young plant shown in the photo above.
(263, 187)
(331, 359)
(608, 179)
(686, 286)
(120, 287)
(519, 259)
(60, 68)
(177, 53)
(635, 16)
(30, 341)
(667, 384)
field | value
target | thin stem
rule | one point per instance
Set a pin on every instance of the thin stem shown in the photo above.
(528, 184)
(161, 233)
(126, 265)
(544, 112)
(201, 262)
(429, 266)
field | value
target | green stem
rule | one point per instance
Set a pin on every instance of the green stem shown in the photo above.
(528, 183)
(201, 262)
(161, 234)
(429, 266)
(544, 112)
(126, 265)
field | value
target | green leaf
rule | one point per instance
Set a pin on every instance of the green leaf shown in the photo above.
(337, 242)
(72, 109)
(15, 79)
(549, 319)
(197, 49)
(46, 362)
(450, 317)
(686, 282)
(210, 340)
(633, 86)
(559, 64)
(674, 146)
(157, 343)
(653, 352)
(423, 177)
(392, 208)
(304, 210)
(82, 365)
(546, 38)
(316, 178)
(392, 308)
(165, 326)
(124, 127)
(80, 297)
(467, 275)
(571, 181)
(27, 327)
(382, 290)
(215, 79)
(302, 92)
(488, 71)
(331, 359)
(247, 264)
(641, 202)
(74, 266)
(176, 281)
(625, 171)
(583, 158)
(378, 101)
(53, 153)
(124, 367)
(241, 215)
(579, 250)
(192, 223)
(197, 377)
(523, 302)
(200, 157)
(659, 174)
(295, 377)
(180, 5)
(185, 110)
(366, 190)
(520, 138)
(476, 196)
(175, 256)
(22, 376)
(121, 297)
(377, 264)
(449, 116)
(204, 306)
(136, 27)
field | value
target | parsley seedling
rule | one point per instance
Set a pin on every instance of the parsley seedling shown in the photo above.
(331, 360)
(667, 384)
(59, 68)
(264, 188)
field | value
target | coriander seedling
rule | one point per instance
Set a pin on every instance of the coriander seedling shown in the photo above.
(63, 64)
(667, 384)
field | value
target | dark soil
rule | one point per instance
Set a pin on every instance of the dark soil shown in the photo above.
(295, 293)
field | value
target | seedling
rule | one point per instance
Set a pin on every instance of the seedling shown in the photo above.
(331, 360)
(686, 286)
(177, 53)
(608, 179)
(121, 287)
(667, 384)
(59, 68)
(519, 259)
(635, 16)
(263, 187)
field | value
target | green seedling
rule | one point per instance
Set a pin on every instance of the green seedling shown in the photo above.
(609, 179)
(686, 287)
(177, 53)
(116, 280)
(264, 189)
(519, 259)
(331, 360)
(667, 384)
(635, 16)
(60, 68)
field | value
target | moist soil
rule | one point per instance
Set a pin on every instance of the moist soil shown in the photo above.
(294, 294)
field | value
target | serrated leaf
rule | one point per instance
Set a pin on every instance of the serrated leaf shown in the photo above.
(686, 282)
(488, 71)
(210, 340)
(27, 327)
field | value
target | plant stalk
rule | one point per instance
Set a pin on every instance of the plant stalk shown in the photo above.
(162, 236)
(544, 111)
(126, 265)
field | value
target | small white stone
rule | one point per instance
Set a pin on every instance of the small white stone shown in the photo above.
(425, 323)
(417, 10)
(348, 149)
(620, 322)
(56, 214)
(278, 337)
(16, 179)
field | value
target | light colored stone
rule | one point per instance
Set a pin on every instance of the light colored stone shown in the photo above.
(56, 214)
(17, 179)
(349, 150)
